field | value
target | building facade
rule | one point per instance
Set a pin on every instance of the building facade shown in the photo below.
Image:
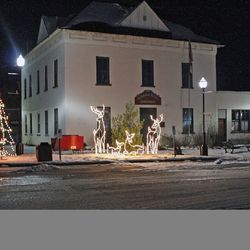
(125, 55)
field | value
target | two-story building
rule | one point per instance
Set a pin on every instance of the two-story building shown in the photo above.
(111, 54)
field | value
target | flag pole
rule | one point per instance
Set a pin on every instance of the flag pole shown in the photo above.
(190, 61)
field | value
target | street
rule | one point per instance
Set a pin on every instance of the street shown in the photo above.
(128, 186)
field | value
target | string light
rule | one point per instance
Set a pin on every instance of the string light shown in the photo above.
(117, 150)
(154, 135)
(137, 149)
(5, 130)
(99, 133)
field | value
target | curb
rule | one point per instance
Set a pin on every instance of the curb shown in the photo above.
(92, 162)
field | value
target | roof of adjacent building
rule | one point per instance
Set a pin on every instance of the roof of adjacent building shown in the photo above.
(117, 19)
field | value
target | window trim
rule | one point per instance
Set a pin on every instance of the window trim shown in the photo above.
(102, 71)
(183, 77)
(146, 76)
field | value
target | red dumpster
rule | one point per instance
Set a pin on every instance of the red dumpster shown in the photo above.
(69, 142)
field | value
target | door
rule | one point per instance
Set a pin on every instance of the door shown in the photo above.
(222, 125)
(145, 115)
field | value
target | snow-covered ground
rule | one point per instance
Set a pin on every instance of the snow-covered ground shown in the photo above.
(29, 156)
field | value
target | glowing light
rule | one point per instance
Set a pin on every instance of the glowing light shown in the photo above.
(20, 61)
(154, 135)
(137, 149)
(99, 133)
(203, 83)
(5, 136)
(117, 150)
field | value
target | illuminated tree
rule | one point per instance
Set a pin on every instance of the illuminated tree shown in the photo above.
(6, 140)
(127, 121)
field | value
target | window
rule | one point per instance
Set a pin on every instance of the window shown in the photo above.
(187, 75)
(31, 124)
(46, 78)
(55, 121)
(240, 120)
(25, 124)
(55, 74)
(38, 124)
(188, 121)
(30, 86)
(25, 88)
(38, 82)
(46, 122)
(102, 70)
(148, 73)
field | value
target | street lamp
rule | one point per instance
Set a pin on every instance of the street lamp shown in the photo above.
(20, 61)
(203, 85)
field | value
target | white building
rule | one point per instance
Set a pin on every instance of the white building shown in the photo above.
(110, 54)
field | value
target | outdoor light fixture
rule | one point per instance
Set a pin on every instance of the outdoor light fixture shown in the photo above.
(20, 61)
(203, 85)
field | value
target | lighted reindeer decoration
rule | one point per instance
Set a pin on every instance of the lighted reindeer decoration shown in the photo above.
(153, 135)
(117, 150)
(100, 132)
(137, 149)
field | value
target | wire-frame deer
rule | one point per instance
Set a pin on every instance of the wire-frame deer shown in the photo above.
(154, 135)
(136, 149)
(100, 132)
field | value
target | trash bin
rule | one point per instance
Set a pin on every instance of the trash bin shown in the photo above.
(19, 148)
(44, 152)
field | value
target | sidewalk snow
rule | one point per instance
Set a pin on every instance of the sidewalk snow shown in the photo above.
(217, 156)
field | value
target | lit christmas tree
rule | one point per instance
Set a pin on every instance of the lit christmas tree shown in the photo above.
(5, 136)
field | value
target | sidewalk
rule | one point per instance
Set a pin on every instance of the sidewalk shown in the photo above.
(88, 157)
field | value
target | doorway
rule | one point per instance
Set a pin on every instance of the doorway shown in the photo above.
(222, 125)
(145, 115)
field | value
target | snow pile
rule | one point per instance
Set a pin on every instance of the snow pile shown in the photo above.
(43, 168)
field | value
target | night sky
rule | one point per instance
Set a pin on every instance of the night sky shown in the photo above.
(222, 20)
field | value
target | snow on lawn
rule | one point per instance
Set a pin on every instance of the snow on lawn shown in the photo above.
(240, 155)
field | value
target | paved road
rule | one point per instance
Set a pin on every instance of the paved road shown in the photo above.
(128, 186)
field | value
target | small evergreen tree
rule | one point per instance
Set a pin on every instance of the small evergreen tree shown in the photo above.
(5, 134)
(129, 120)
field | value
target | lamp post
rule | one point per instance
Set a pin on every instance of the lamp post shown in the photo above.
(203, 148)
(20, 61)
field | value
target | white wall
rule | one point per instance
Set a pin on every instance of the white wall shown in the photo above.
(232, 100)
(126, 53)
(44, 54)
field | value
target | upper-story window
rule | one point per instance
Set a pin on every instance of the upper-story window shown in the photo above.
(148, 73)
(55, 73)
(30, 85)
(38, 82)
(102, 71)
(25, 88)
(187, 76)
(46, 78)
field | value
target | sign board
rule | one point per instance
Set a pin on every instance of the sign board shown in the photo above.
(148, 97)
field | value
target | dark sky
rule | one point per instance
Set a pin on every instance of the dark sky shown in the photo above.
(222, 20)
